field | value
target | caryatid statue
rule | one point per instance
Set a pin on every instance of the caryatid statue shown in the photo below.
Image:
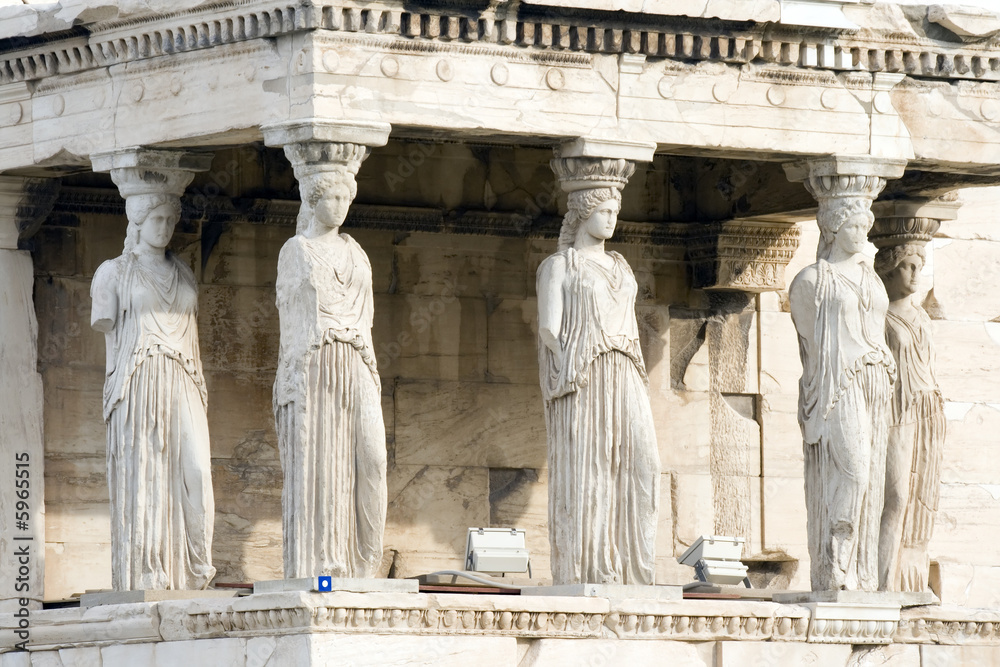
(917, 424)
(839, 308)
(327, 393)
(604, 467)
(159, 463)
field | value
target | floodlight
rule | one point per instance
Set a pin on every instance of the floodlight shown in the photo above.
(716, 560)
(496, 551)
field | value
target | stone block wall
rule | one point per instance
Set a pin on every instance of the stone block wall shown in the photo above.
(455, 340)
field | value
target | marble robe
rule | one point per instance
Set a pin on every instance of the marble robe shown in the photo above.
(159, 460)
(328, 411)
(913, 465)
(844, 392)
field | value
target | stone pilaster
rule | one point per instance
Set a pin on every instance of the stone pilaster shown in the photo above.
(843, 181)
(742, 255)
(24, 203)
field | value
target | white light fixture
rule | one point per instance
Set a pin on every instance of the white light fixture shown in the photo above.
(496, 551)
(716, 560)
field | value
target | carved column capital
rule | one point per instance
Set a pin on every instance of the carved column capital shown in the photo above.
(146, 171)
(315, 146)
(903, 221)
(838, 176)
(843, 186)
(742, 255)
(24, 205)
(587, 163)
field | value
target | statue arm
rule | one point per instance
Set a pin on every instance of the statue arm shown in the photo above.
(289, 264)
(550, 304)
(802, 299)
(104, 296)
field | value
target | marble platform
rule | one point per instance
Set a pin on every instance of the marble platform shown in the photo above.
(303, 629)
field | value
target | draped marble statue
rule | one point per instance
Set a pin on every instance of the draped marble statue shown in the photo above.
(327, 393)
(604, 467)
(916, 431)
(159, 466)
(839, 308)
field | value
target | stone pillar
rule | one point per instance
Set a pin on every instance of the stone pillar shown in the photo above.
(334, 498)
(24, 203)
(839, 307)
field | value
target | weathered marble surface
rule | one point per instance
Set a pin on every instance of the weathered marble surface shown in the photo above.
(478, 332)
(23, 203)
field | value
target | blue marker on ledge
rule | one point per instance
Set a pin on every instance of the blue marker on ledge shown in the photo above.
(325, 584)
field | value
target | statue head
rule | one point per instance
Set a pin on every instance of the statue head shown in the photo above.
(326, 199)
(595, 210)
(834, 229)
(161, 210)
(899, 268)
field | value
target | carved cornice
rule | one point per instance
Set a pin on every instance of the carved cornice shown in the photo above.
(850, 623)
(579, 32)
(743, 255)
(943, 626)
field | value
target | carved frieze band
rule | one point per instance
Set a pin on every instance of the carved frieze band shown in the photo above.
(78, 200)
(653, 36)
(528, 624)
